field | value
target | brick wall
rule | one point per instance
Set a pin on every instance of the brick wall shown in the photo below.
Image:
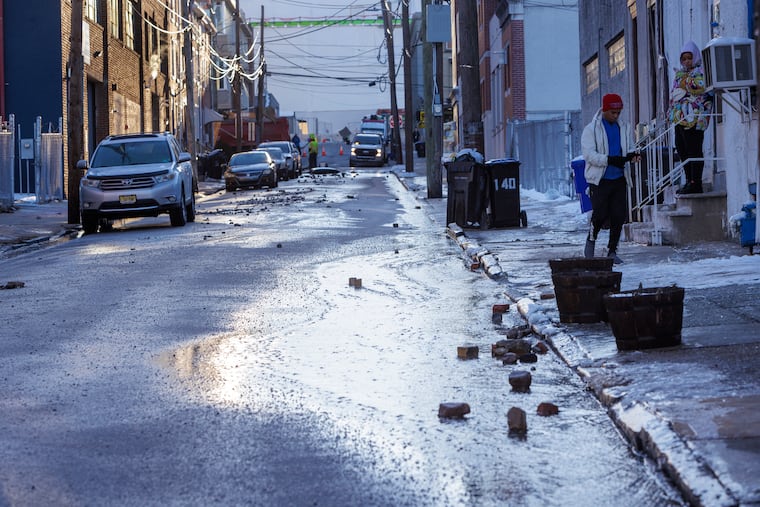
(514, 98)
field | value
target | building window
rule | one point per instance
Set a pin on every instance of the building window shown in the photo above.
(616, 52)
(114, 18)
(129, 26)
(91, 9)
(497, 95)
(591, 74)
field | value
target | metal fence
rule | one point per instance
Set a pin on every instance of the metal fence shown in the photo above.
(31, 165)
(48, 156)
(7, 145)
(545, 149)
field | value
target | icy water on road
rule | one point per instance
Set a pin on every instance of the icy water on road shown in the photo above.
(369, 366)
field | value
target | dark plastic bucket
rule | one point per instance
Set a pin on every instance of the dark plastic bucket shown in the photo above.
(646, 318)
(581, 264)
(579, 294)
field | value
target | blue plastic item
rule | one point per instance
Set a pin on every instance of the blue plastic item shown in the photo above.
(579, 166)
(747, 229)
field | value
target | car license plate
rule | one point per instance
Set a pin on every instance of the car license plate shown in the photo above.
(127, 199)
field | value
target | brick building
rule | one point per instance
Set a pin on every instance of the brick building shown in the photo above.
(134, 66)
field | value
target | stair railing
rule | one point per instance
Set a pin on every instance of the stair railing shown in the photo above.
(657, 149)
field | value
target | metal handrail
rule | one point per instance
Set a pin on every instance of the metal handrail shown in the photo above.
(657, 162)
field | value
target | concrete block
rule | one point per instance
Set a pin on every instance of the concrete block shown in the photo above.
(546, 409)
(453, 410)
(517, 420)
(520, 381)
(467, 351)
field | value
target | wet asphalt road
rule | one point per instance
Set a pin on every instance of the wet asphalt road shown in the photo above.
(228, 362)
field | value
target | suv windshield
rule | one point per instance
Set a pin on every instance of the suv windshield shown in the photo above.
(367, 139)
(274, 152)
(132, 153)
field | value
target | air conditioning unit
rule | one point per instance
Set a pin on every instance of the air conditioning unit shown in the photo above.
(729, 62)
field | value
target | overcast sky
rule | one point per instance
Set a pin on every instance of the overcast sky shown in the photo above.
(327, 68)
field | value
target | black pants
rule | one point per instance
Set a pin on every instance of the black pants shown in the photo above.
(609, 202)
(689, 145)
(312, 160)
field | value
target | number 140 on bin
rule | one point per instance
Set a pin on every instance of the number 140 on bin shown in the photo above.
(505, 183)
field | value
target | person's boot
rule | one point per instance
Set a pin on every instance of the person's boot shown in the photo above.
(614, 256)
(588, 251)
(686, 189)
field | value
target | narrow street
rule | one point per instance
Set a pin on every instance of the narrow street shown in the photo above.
(230, 362)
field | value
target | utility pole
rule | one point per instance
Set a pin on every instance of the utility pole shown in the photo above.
(409, 114)
(75, 110)
(190, 92)
(396, 133)
(432, 166)
(261, 89)
(469, 73)
(236, 82)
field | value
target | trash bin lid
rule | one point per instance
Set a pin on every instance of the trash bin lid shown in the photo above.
(503, 161)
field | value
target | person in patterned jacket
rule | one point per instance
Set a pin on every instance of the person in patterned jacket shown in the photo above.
(689, 111)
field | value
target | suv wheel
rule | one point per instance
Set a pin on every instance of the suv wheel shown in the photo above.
(191, 209)
(178, 214)
(89, 224)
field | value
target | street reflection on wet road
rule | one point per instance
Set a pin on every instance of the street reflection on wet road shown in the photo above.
(370, 365)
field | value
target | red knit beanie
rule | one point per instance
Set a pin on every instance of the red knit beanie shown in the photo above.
(611, 101)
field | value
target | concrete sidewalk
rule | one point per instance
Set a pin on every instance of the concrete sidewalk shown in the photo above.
(693, 408)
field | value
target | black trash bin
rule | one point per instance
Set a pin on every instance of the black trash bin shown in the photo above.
(467, 201)
(214, 164)
(420, 147)
(504, 193)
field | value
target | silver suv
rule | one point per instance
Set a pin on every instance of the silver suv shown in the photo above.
(292, 156)
(136, 175)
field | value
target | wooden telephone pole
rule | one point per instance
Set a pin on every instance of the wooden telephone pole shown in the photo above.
(409, 126)
(396, 132)
(236, 83)
(75, 110)
(190, 92)
(260, 91)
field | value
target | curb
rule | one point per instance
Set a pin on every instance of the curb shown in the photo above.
(479, 256)
(643, 428)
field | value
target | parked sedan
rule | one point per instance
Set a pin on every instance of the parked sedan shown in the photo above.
(367, 149)
(283, 171)
(250, 169)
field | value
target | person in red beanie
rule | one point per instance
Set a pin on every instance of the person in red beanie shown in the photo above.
(607, 147)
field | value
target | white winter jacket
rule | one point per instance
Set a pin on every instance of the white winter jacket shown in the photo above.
(595, 149)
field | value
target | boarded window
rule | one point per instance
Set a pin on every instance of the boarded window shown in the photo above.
(616, 52)
(591, 74)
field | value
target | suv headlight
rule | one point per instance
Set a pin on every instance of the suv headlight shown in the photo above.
(86, 182)
(161, 178)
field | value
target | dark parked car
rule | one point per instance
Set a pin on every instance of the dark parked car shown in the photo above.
(136, 175)
(250, 169)
(367, 149)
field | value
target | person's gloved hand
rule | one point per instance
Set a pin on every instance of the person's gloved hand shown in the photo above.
(616, 160)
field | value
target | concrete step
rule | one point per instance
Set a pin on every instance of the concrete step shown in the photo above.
(692, 218)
